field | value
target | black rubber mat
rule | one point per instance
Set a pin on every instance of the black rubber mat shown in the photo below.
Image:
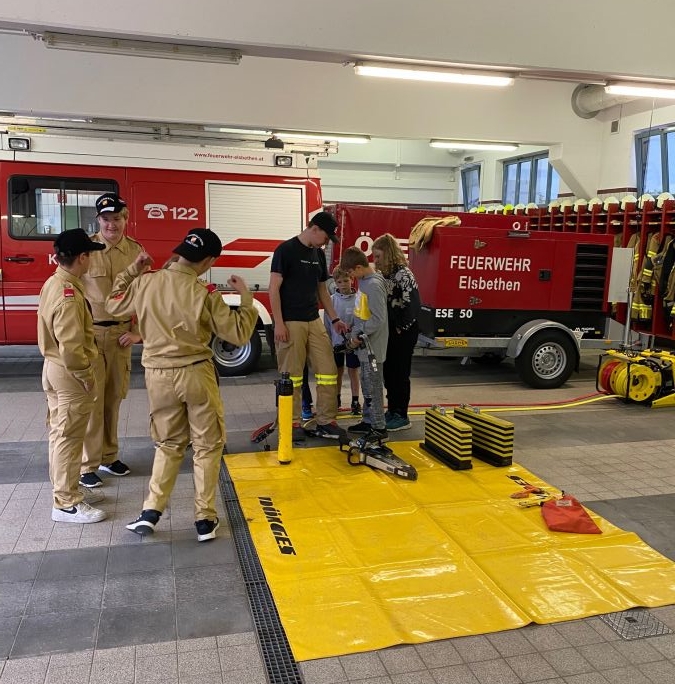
(274, 646)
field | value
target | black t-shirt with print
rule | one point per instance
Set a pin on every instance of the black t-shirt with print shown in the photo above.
(302, 269)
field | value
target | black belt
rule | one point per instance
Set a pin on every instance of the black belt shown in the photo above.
(108, 324)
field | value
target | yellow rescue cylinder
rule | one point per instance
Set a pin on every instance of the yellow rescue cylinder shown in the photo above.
(285, 418)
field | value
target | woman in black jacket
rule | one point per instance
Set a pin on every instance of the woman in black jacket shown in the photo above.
(403, 307)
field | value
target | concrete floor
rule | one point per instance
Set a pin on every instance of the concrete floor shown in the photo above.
(97, 604)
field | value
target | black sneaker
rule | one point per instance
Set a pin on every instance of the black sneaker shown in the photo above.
(330, 431)
(361, 428)
(375, 436)
(90, 480)
(115, 468)
(145, 523)
(206, 529)
(356, 408)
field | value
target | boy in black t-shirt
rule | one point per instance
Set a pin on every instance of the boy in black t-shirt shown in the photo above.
(297, 290)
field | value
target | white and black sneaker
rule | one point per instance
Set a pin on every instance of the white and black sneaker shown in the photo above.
(206, 529)
(90, 480)
(116, 468)
(145, 523)
(82, 513)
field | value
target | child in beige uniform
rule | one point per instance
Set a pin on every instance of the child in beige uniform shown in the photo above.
(66, 340)
(177, 316)
(114, 338)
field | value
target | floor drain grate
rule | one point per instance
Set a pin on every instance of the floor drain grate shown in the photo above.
(635, 624)
(276, 651)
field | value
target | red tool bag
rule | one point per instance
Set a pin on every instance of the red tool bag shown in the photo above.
(568, 515)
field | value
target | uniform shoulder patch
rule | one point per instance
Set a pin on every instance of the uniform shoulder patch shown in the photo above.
(119, 296)
(212, 288)
(68, 292)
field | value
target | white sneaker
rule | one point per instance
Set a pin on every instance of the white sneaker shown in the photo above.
(91, 496)
(82, 513)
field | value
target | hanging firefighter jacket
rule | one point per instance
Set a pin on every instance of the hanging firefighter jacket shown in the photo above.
(667, 263)
(644, 296)
(663, 265)
(668, 274)
(652, 270)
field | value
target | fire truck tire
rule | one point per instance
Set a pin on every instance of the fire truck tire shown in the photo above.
(547, 360)
(231, 360)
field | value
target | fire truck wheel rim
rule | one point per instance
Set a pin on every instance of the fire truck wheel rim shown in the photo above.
(231, 360)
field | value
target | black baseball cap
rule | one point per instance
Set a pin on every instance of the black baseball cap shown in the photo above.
(327, 223)
(109, 203)
(198, 244)
(74, 242)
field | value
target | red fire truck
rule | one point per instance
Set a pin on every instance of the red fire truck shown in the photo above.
(492, 288)
(253, 198)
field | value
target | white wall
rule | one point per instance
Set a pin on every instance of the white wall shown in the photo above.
(390, 171)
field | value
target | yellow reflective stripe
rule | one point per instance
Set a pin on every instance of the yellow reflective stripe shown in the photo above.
(296, 380)
(326, 379)
(651, 254)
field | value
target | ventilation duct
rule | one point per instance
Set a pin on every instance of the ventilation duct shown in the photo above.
(588, 100)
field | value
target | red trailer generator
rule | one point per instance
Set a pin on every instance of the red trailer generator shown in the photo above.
(536, 296)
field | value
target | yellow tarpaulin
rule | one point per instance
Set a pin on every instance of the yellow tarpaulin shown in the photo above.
(358, 560)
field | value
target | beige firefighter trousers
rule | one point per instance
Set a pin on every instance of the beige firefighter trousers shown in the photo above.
(309, 341)
(69, 409)
(185, 405)
(112, 369)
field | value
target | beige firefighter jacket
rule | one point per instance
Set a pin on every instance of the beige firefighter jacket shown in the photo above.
(65, 326)
(178, 314)
(103, 269)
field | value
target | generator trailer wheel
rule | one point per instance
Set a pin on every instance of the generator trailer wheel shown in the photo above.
(547, 360)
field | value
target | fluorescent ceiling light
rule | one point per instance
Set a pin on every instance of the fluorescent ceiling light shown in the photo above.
(241, 131)
(436, 74)
(140, 48)
(358, 139)
(468, 145)
(641, 90)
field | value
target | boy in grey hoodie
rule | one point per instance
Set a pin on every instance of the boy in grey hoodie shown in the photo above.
(370, 321)
(343, 302)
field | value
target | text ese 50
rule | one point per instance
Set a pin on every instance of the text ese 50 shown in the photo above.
(454, 313)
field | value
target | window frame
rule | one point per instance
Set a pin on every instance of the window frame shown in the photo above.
(464, 172)
(59, 183)
(534, 159)
(642, 140)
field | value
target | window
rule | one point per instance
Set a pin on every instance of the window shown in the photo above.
(655, 158)
(471, 186)
(41, 207)
(529, 179)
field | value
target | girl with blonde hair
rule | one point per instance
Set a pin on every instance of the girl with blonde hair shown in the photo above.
(403, 308)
